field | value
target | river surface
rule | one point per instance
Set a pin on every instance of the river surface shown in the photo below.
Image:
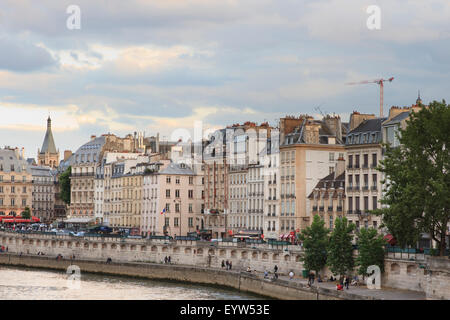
(37, 284)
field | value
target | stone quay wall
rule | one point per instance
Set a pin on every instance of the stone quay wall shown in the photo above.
(259, 257)
(241, 281)
(430, 275)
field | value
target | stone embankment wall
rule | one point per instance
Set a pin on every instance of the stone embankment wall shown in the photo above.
(280, 289)
(431, 275)
(195, 253)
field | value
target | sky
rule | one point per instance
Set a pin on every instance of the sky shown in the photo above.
(158, 66)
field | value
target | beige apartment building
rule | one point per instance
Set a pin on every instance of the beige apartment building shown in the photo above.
(236, 145)
(172, 199)
(309, 150)
(16, 187)
(363, 181)
(328, 197)
(84, 164)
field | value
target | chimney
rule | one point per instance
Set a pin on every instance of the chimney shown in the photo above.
(67, 154)
(311, 133)
(93, 137)
(340, 167)
(23, 153)
(334, 124)
(357, 118)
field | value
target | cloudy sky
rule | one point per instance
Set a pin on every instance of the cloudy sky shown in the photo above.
(159, 65)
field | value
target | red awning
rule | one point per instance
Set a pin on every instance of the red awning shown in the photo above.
(390, 239)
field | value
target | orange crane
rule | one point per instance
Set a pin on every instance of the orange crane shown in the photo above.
(380, 82)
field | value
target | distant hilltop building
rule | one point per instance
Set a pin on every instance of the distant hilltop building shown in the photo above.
(48, 155)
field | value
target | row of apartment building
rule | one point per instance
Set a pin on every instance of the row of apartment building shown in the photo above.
(245, 178)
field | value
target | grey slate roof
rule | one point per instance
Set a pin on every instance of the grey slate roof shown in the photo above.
(175, 168)
(8, 157)
(398, 118)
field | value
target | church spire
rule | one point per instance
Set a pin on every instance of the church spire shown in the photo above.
(49, 142)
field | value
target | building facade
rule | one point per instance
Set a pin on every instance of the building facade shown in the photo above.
(16, 187)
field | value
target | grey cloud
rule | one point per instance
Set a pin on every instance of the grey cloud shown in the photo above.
(22, 56)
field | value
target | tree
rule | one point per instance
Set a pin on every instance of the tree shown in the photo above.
(340, 248)
(26, 214)
(370, 250)
(315, 241)
(64, 182)
(417, 178)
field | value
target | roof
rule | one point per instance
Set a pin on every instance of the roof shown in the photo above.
(368, 132)
(8, 157)
(369, 125)
(49, 143)
(398, 118)
(330, 181)
(175, 168)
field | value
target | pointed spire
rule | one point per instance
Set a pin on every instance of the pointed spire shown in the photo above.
(418, 101)
(49, 143)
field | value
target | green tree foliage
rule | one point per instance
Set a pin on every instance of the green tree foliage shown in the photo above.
(417, 178)
(315, 241)
(26, 214)
(370, 250)
(340, 249)
(64, 182)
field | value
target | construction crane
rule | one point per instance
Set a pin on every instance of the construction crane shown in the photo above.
(379, 82)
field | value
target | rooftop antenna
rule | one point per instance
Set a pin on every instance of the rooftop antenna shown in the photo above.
(320, 110)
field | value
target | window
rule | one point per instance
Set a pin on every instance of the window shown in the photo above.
(175, 222)
(177, 193)
(331, 170)
(190, 194)
(190, 208)
(374, 203)
(331, 156)
(166, 221)
(191, 180)
(167, 193)
(350, 161)
(177, 207)
(167, 179)
(177, 180)
(374, 159)
(167, 207)
(375, 224)
(190, 222)
(366, 203)
(12, 178)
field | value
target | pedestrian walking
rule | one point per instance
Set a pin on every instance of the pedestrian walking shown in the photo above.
(275, 269)
(169, 259)
(228, 265)
(223, 264)
(291, 275)
(346, 282)
(312, 278)
(231, 265)
(266, 274)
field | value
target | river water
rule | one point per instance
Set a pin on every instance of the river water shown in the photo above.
(37, 284)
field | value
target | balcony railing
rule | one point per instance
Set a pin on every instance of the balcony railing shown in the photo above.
(350, 212)
(374, 188)
(339, 209)
(373, 165)
(356, 188)
(350, 166)
(321, 208)
(314, 208)
(365, 188)
(365, 166)
(330, 208)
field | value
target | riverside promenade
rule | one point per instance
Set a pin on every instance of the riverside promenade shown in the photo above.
(283, 288)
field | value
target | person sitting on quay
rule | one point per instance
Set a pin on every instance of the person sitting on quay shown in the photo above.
(291, 275)
(108, 261)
